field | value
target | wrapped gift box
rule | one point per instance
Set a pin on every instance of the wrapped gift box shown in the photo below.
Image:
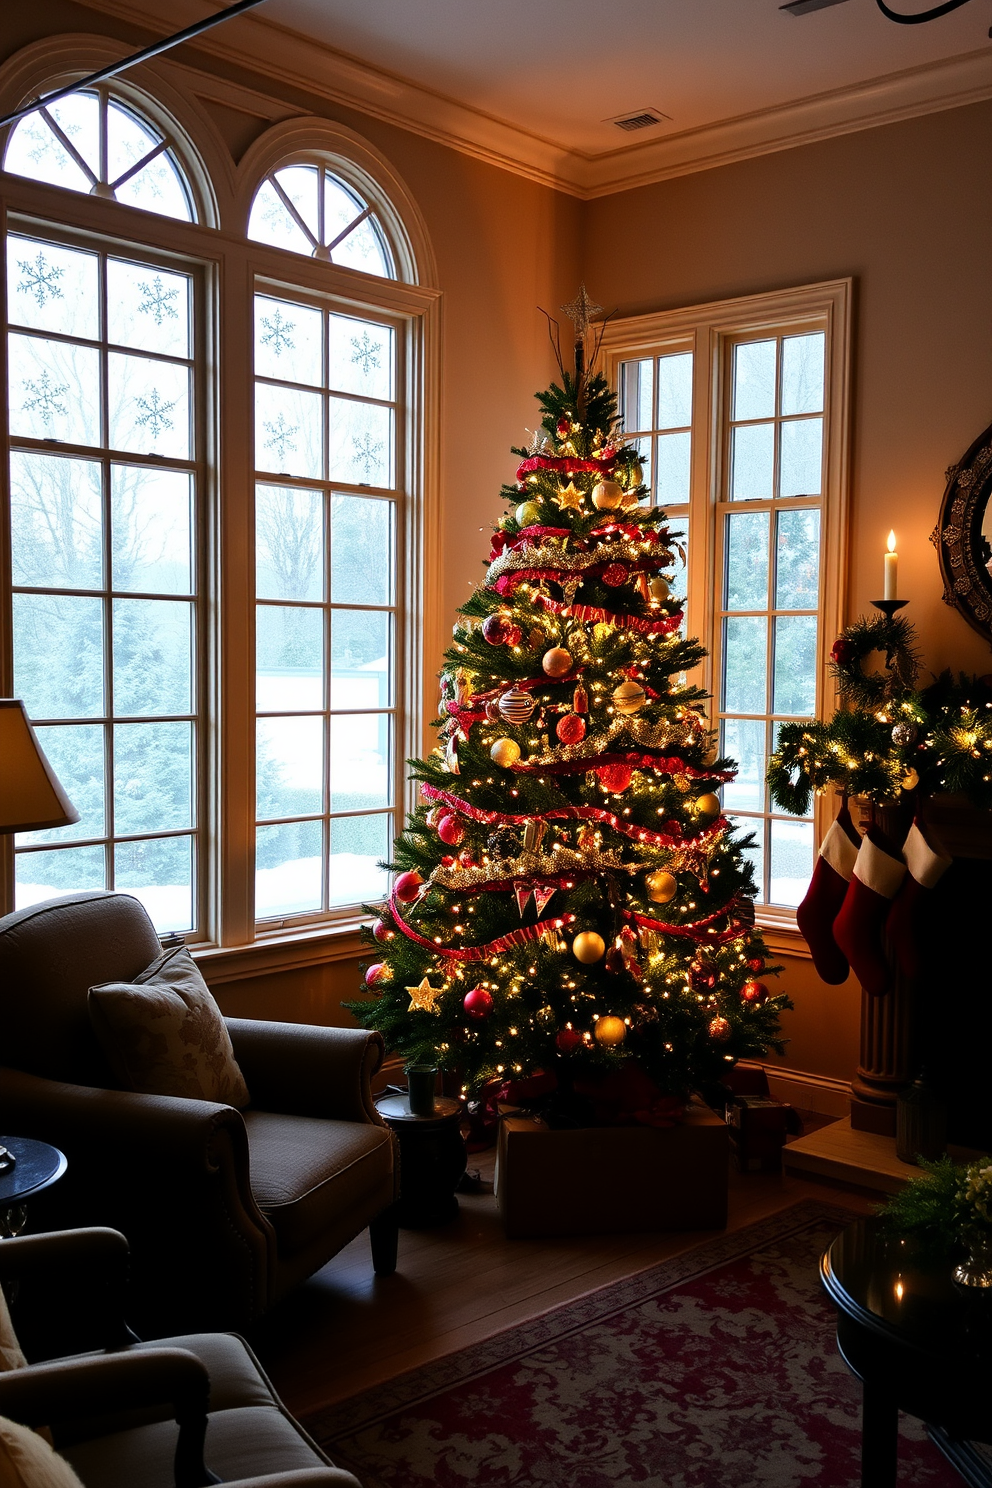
(758, 1124)
(608, 1180)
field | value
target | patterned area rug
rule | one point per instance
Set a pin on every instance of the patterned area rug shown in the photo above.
(717, 1369)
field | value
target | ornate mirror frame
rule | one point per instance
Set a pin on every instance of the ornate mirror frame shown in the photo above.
(962, 548)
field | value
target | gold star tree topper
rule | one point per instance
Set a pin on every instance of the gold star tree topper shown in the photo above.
(423, 998)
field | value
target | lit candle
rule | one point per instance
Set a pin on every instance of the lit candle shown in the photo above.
(891, 569)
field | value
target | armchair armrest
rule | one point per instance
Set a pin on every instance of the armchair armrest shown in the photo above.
(100, 1256)
(304, 1069)
(300, 1477)
(70, 1389)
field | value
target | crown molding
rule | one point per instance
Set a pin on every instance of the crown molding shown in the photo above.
(286, 56)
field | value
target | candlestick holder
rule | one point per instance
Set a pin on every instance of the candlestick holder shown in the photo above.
(888, 607)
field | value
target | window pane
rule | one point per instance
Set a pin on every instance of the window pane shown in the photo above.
(795, 664)
(802, 373)
(58, 655)
(149, 406)
(753, 463)
(56, 521)
(643, 447)
(797, 582)
(360, 670)
(75, 752)
(128, 141)
(290, 766)
(341, 207)
(153, 777)
(755, 855)
(153, 644)
(52, 288)
(54, 390)
(362, 558)
(287, 341)
(792, 861)
(288, 869)
(747, 561)
(151, 529)
(675, 391)
(289, 543)
(301, 184)
(802, 458)
(359, 761)
(674, 453)
(78, 116)
(754, 380)
(43, 875)
(360, 440)
(358, 845)
(744, 741)
(364, 249)
(360, 357)
(159, 873)
(637, 394)
(288, 428)
(270, 222)
(289, 647)
(36, 152)
(744, 664)
(148, 308)
(158, 187)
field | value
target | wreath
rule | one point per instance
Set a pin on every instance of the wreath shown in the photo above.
(859, 641)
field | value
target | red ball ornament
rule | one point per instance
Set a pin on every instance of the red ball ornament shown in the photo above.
(754, 992)
(842, 651)
(450, 830)
(615, 575)
(719, 1030)
(568, 1040)
(571, 729)
(616, 777)
(756, 963)
(514, 635)
(563, 428)
(614, 960)
(478, 1003)
(494, 629)
(407, 886)
(382, 932)
(377, 974)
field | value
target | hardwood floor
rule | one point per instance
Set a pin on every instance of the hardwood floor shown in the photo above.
(346, 1329)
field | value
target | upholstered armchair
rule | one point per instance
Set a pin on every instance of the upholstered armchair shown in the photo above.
(225, 1210)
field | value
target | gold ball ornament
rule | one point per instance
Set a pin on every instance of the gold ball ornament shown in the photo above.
(505, 752)
(588, 947)
(661, 886)
(610, 1031)
(557, 662)
(607, 495)
(910, 780)
(719, 1030)
(660, 587)
(708, 804)
(630, 498)
(629, 697)
(527, 513)
(601, 631)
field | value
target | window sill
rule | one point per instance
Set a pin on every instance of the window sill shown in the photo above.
(281, 951)
(782, 936)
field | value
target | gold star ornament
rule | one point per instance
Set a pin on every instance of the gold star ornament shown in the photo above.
(423, 998)
(571, 498)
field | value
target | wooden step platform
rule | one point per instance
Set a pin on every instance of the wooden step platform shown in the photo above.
(839, 1153)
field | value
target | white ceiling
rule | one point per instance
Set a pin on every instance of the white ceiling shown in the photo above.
(558, 68)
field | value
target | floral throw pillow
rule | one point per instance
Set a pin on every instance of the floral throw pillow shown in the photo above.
(163, 1033)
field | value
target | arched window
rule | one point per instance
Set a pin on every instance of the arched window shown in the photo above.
(92, 142)
(308, 209)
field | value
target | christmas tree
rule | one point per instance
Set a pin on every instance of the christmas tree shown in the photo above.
(569, 897)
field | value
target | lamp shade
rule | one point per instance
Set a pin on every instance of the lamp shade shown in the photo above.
(30, 794)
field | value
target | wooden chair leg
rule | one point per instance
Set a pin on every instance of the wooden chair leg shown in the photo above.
(384, 1233)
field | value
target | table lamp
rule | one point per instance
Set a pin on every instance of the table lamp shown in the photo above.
(31, 797)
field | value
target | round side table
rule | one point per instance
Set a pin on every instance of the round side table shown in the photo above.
(432, 1159)
(36, 1166)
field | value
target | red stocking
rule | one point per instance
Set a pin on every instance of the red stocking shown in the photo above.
(907, 924)
(858, 928)
(825, 895)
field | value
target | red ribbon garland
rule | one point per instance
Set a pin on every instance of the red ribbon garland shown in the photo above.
(476, 953)
(698, 930)
(663, 625)
(566, 465)
(671, 764)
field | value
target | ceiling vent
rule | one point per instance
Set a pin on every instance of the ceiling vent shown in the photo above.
(642, 119)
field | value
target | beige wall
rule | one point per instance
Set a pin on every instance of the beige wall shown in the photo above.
(905, 210)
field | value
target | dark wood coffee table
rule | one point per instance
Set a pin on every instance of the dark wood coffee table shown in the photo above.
(36, 1166)
(918, 1343)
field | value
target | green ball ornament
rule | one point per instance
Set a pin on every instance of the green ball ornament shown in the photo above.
(528, 512)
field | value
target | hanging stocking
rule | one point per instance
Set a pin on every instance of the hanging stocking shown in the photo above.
(907, 925)
(878, 873)
(825, 895)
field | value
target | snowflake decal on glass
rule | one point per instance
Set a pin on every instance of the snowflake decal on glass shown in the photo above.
(40, 279)
(368, 454)
(366, 353)
(277, 333)
(156, 414)
(280, 436)
(157, 300)
(45, 399)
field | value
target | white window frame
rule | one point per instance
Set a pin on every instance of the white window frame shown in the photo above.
(231, 265)
(710, 332)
